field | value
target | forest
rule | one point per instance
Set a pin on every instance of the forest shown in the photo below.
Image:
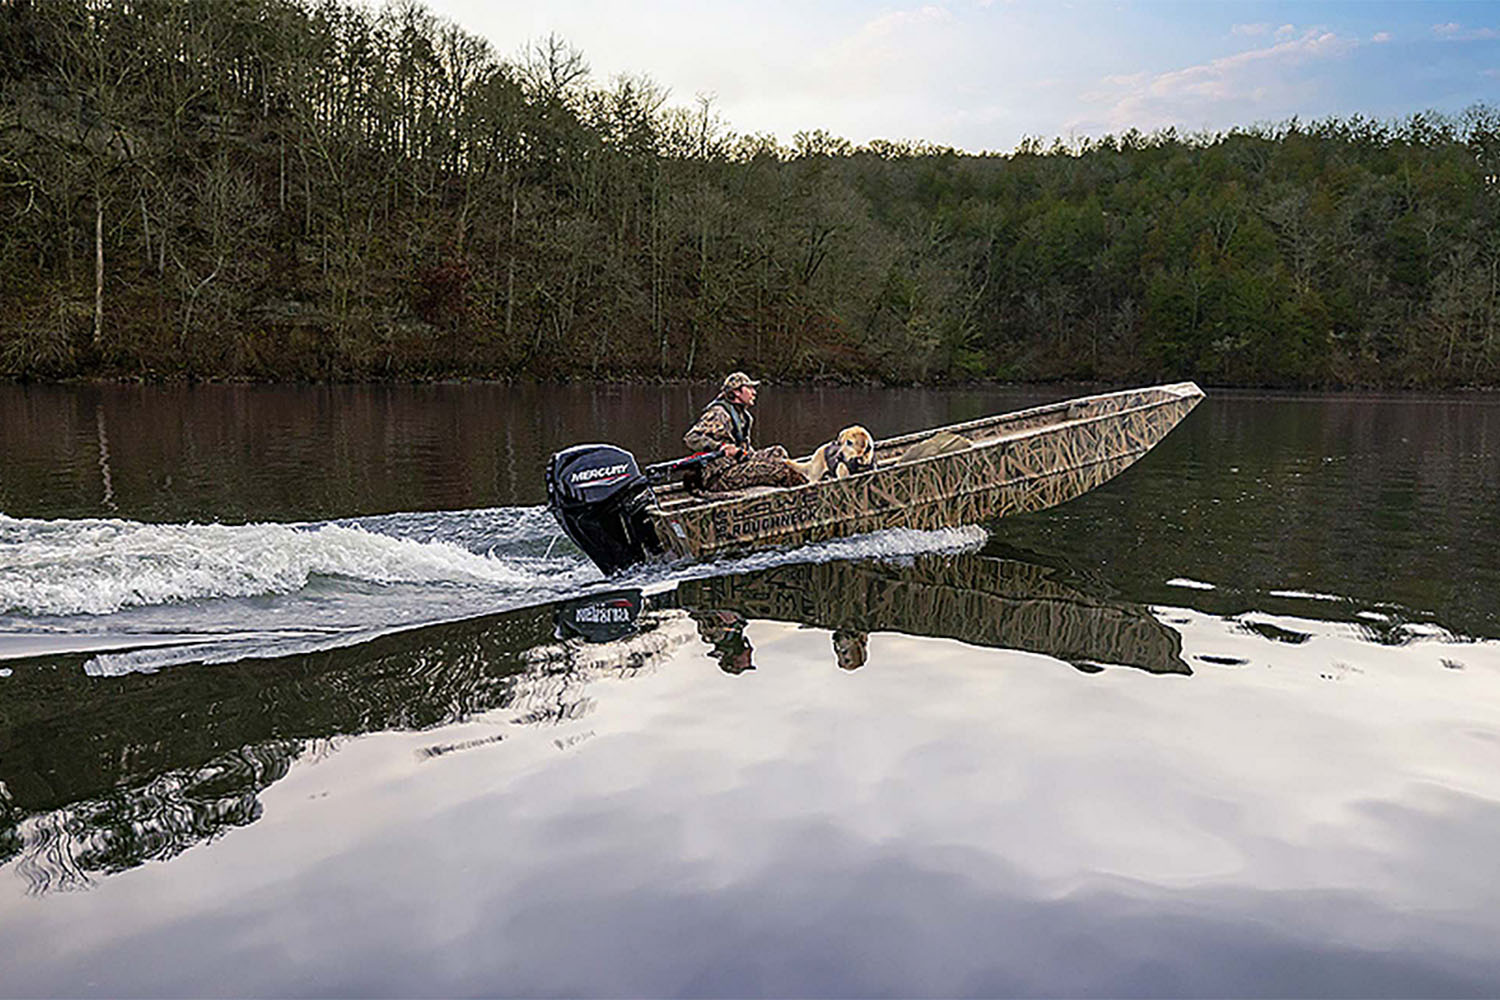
(323, 190)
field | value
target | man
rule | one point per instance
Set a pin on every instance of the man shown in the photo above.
(725, 426)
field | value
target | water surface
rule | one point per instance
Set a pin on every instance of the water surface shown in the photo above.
(285, 708)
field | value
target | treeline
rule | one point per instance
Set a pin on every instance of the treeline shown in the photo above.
(296, 189)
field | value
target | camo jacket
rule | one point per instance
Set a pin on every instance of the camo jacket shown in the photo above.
(753, 467)
(715, 427)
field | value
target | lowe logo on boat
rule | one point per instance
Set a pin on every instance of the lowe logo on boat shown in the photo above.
(588, 476)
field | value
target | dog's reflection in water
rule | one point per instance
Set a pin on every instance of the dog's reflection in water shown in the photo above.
(724, 632)
(851, 649)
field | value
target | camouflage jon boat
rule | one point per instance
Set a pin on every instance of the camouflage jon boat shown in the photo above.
(989, 468)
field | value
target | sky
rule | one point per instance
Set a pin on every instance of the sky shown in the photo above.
(984, 74)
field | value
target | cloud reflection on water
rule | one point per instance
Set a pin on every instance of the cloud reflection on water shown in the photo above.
(954, 817)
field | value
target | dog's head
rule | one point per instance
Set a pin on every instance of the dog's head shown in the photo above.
(857, 448)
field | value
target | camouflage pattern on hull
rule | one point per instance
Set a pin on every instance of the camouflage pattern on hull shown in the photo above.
(1019, 462)
(976, 599)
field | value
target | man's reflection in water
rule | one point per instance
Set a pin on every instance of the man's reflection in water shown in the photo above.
(851, 649)
(725, 632)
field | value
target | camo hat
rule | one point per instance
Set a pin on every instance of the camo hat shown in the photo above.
(735, 380)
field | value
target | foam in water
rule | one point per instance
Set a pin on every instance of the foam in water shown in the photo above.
(1306, 595)
(895, 543)
(150, 659)
(226, 592)
(98, 567)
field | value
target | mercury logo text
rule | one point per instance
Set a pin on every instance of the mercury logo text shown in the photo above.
(603, 472)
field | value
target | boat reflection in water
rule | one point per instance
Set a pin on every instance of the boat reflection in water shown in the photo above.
(100, 774)
(980, 600)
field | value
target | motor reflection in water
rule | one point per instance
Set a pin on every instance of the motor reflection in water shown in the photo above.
(599, 617)
(101, 775)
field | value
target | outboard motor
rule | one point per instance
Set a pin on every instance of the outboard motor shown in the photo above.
(598, 495)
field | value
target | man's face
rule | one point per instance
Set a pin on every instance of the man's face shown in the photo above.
(745, 395)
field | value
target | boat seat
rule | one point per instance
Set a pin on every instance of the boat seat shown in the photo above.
(941, 443)
(748, 491)
(686, 498)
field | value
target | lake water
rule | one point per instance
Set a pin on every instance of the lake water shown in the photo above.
(285, 709)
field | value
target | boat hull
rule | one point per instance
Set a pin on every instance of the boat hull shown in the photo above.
(1020, 462)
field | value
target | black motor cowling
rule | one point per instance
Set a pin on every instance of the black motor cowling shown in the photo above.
(598, 495)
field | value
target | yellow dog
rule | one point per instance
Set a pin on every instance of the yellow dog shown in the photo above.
(853, 451)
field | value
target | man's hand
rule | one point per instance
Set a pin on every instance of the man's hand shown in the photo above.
(733, 451)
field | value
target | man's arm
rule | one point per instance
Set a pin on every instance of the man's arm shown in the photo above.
(711, 432)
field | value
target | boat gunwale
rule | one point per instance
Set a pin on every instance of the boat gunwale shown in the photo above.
(1178, 393)
(1133, 455)
(1178, 389)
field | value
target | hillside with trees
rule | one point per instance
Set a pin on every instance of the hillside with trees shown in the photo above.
(287, 189)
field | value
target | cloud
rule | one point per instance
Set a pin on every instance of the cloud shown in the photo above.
(1246, 84)
(982, 74)
(1454, 31)
(1381, 36)
(891, 51)
(892, 24)
(886, 37)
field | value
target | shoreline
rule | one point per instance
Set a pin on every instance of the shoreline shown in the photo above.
(1086, 386)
